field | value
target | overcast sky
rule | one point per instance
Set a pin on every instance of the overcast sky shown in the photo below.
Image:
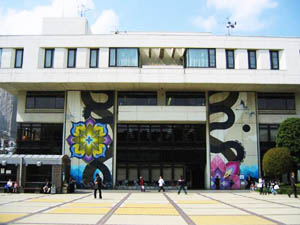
(253, 17)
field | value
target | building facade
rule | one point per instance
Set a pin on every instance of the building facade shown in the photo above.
(131, 104)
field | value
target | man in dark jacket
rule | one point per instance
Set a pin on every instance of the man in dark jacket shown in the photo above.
(97, 186)
(293, 186)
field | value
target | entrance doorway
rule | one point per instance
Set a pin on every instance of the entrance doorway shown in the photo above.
(169, 150)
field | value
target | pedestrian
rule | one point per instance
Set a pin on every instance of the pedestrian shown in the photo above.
(260, 185)
(46, 187)
(181, 183)
(293, 186)
(8, 186)
(142, 184)
(161, 184)
(15, 187)
(97, 186)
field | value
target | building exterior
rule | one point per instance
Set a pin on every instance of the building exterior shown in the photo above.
(127, 104)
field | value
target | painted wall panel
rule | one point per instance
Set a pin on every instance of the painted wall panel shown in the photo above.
(233, 138)
(89, 132)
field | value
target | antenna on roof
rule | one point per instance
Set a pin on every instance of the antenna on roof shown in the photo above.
(81, 8)
(230, 26)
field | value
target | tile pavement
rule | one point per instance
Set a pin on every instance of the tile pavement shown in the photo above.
(149, 208)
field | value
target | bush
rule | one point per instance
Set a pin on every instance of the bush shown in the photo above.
(276, 162)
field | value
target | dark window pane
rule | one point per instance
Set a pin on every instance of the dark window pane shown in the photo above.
(45, 103)
(49, 58)
(94, 58)
(274, 60)
(167, 133)
(212, 58)
(59, 102)
(19, 58)
(71, 58)
(30, 102)
(0, 56)
(145, 133)
(112, 57)
(155, 134)
(252, 59)
(230, 59)
(45, 100)
(137, 98)
(276, 101)
(133, 133)
(127, 57)
(185, 98)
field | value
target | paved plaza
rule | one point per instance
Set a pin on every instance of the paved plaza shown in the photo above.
(124, 208)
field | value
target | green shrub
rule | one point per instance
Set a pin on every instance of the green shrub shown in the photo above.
(276, 162)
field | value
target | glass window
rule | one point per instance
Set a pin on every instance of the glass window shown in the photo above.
(185, 98)
(94, 56)
(276, 101)
(45, 100)
(137, 98)
(274, 57)
(252, 59)
(0, 56)
(201, 58)
(39, 138)
(123, 57)
(19, 58)
(49, 55)
(71, 58)
(230, 59)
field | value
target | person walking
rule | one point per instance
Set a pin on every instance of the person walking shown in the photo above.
(142, 184)
(97, 186)
(181, 183)
(260, 185)
(161, 184)
(293, 186)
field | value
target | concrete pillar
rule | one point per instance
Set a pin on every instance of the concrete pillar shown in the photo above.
(82, 58)
(57, 177)
(263, 59)
(104, 57)
(60, 58)
(221, 58)
(241, 59)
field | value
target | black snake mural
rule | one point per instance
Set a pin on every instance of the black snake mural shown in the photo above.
(106, 117)
(232, 150)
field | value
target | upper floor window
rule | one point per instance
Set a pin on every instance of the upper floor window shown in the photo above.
(251, 59)
(94, 56)
(230, 59)
(274, 57)
(49, 56)
(71, 57)
(268, 132)
(276, 101)
(185, 98)
(201, 58)
(123, 57)
(45, 100)
(137, 98)
(19, 58)
(0, 56)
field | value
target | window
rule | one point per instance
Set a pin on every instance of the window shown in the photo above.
(252, 59)
(39, 138)
(230, 59)
(185, 98)
(0, 56)
(123, 57)
(49, 55)
(71, 58)
(45, 100)
(276, 101)
(137, 98)
(19, 58)
(201, 58)
(94, 56)
(274, 57)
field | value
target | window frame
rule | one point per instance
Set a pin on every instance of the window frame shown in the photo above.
(52, 57)
(1, 50)
(97, 57)
(75, 56)
(262, 96)
(16, 56)
(39, 94)
(192, 95)
(116, 58)
(227, 59)
(123, 94)
(208, 59)
(277, 59)
(249, 60)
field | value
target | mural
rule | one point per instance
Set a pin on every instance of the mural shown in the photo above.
(233, 138)
(90, 122)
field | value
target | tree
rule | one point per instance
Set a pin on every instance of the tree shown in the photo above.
(276, 162)
(289, 136)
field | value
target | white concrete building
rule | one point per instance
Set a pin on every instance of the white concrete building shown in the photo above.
(133, 104)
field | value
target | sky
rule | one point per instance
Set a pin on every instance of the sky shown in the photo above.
(280, 18)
